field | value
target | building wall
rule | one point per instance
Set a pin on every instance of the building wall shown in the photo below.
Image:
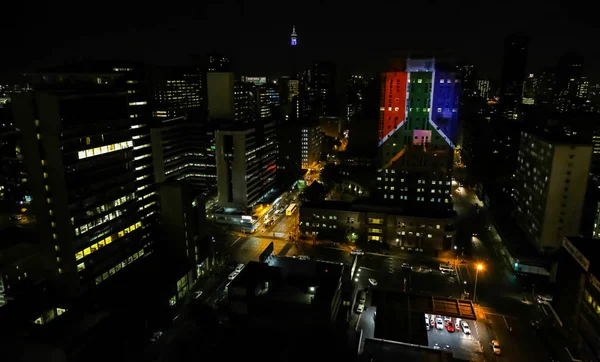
(566, 192)
(550, 187)
(232, 168)
(311, 145)
(79, 153)
(393, 102)
(221, 103)
(407, 232)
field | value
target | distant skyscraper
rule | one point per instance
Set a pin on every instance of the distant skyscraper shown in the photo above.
(323, 90)
(571, 86)
(530, 89)
(516, 48)
(218, 63)
(483, 88)
(418, 128)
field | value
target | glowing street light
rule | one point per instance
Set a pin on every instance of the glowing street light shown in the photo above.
(479, 267)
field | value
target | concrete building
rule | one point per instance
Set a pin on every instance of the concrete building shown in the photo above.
(246, 164)
(418, 132)
(184, 149)
(311, 139)
(80, 161)
(550, 185)
(288, 292)
(340, 221)
(221, 97)
(577, 306)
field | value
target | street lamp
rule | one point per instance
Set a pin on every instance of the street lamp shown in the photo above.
(479, 267)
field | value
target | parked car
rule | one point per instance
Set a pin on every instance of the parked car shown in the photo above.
(439, 324)
(373, 282)
(360, 308)
(357, 252)
(465, 327)
(427, 324)
(450, 326)
(405, 266)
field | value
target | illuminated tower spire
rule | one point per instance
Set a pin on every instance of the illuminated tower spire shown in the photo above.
(294, 36)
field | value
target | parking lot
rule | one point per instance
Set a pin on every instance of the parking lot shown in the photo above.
(462, 345)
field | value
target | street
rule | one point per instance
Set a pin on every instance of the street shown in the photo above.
(502, 302)
(504, 298)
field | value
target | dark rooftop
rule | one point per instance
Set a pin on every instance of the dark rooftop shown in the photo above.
(400, 327)
(303, 284)
(386, 351)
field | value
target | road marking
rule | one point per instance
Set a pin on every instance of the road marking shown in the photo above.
(236, 240)
(505, 322)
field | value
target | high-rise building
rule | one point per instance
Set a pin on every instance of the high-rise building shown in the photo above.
(418, 127)
(177, 92)
(267, 101)
(183, 149)
(218, 63)
(516, 48)
(529, 89)
(79, 152)
(571, 86)
(324, 102)
(245, 102)
(355, 92)
(550, 185)
(483, 88)
(246, 163)
(221, 95)
(311, 140)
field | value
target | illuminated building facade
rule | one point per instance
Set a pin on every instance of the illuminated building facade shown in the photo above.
(551, 179)
(311, 139)
(184, 150)
(178, 92)
(246, 158)
(418, 127)
(81, 160)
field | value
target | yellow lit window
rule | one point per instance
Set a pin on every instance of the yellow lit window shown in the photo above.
(87, 251)
(43, 163)
(108, 240)
(80, 267)
(87, 141)
(79, 255)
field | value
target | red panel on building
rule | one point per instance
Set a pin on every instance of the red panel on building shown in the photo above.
(393, 102)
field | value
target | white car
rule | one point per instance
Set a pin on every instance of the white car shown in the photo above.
(233, 275)
(496, 347)
(357, 252)
(465, 327)
(360, 308)
(405, 266)
(239, 267)
(427, 324)
(373, 282)
(439, 323)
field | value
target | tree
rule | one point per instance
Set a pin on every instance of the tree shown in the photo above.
(314, 193)
(331, 176)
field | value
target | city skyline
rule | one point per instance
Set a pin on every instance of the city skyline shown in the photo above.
(258, 41)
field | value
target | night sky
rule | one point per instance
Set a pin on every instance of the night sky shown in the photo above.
(361, 35)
